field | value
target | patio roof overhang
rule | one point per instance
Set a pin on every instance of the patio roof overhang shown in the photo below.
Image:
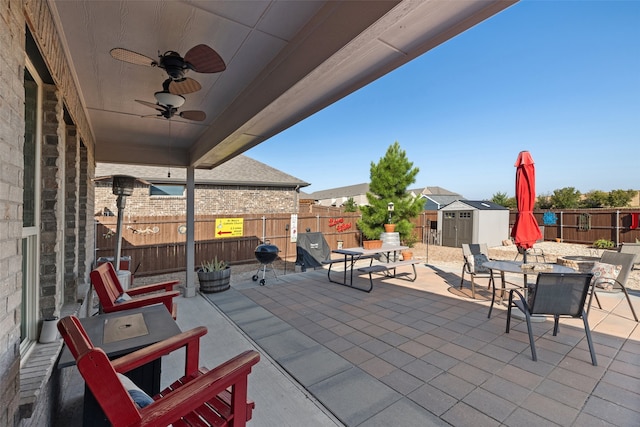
(285, 61)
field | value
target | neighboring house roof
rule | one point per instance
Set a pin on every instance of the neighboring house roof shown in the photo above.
(334, 193)
(240, 170)
(438, 195)
(439, 201)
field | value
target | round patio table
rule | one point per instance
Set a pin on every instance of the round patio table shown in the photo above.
(516, 267)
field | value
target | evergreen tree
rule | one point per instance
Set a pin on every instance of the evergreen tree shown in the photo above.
(503, 200)
(390, 178)
(350, 205)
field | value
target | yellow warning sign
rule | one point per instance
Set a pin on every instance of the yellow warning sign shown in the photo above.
(229, 227)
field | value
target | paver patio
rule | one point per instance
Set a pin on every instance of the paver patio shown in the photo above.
(415, 354)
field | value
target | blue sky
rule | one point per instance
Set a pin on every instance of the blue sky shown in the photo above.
(558, 78)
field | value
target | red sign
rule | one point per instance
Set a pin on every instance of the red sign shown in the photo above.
(339, 224)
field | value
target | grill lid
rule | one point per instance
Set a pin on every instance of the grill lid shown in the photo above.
(266, 253)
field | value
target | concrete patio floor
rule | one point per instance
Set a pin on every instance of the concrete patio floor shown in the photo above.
(413, 354)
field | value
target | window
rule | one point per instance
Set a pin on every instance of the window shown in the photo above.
(165, 190)
(31, 209)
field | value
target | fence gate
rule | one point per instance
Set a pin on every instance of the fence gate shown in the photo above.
(457, 228)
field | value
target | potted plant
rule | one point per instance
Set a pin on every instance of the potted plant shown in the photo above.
(214, 276)
(409, 240)
(390, 227)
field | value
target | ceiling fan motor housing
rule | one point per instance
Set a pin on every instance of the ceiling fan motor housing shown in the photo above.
(173, 64)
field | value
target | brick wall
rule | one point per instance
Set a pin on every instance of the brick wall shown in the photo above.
(223, 200)
(12, 42)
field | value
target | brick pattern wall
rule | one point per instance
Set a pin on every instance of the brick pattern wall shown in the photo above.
(52, 220)
(86, 240)
(12, 42)
(71, 212)
(209, 200)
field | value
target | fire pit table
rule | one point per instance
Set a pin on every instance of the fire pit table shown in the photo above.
(582, 264)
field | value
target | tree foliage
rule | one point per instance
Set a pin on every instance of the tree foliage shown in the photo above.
(565, 198)
(595, 199)
(350, 205)
(390, 178)
(503, 200)
(620, 198)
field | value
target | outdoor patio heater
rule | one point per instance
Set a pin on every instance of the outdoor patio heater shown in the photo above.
(122, 187)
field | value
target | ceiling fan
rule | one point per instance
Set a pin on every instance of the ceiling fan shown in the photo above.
(200, 58)
(167, 105)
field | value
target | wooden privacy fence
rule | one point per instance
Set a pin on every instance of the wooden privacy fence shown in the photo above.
(585, 226)
(157, 245)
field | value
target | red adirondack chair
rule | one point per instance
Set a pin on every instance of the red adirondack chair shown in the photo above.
(113, 298)
(218, 396)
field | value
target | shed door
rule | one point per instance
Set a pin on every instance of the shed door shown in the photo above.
(457, 228)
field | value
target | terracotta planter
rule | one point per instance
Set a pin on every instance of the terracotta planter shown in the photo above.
(389, 228)
(406, 255)
(372, 244)
(214, 281)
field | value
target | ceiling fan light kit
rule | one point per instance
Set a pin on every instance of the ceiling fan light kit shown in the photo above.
(169, 99)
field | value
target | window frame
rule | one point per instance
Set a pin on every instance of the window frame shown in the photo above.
(31, 235)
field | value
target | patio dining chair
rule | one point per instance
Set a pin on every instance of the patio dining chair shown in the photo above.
(474, 256)
(556, 294)
(608, 282)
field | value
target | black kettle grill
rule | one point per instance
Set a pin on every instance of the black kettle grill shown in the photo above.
(265, 253)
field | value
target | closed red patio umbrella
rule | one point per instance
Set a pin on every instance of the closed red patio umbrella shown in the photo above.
(525, 231)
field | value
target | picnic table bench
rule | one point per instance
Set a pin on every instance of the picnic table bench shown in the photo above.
(352, 255)
(387, 269)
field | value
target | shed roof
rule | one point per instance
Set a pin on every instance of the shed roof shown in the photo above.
(482, 205)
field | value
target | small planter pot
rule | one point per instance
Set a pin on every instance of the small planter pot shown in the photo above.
(372, 244)
(215, 281)
(406, 255)
(389, 228)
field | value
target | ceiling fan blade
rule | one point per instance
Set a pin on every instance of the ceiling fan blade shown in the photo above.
(152, 105)
(132, 57)
(203, 59)
(184, 86)
(195, 115)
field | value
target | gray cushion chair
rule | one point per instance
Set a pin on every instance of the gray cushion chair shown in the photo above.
(556, 294)
(625, 260)
(631, 248)
(474, 256)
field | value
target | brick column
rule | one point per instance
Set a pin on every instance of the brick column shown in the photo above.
(52, 214)
(71, 214)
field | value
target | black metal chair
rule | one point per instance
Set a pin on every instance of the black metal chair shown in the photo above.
(555, 294)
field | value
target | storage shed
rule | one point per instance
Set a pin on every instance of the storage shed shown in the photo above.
(467, 221)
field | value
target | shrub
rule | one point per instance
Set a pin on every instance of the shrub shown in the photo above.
(603, 244)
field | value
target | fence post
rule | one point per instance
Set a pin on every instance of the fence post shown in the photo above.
(617, 228)
(561, 230)
(264, 229)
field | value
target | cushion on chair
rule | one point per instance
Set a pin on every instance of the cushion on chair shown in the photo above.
(122, 298)
(140, 398)
(476, 261)
(605, 275)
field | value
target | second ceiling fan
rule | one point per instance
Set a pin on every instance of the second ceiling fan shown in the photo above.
(167, 105)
